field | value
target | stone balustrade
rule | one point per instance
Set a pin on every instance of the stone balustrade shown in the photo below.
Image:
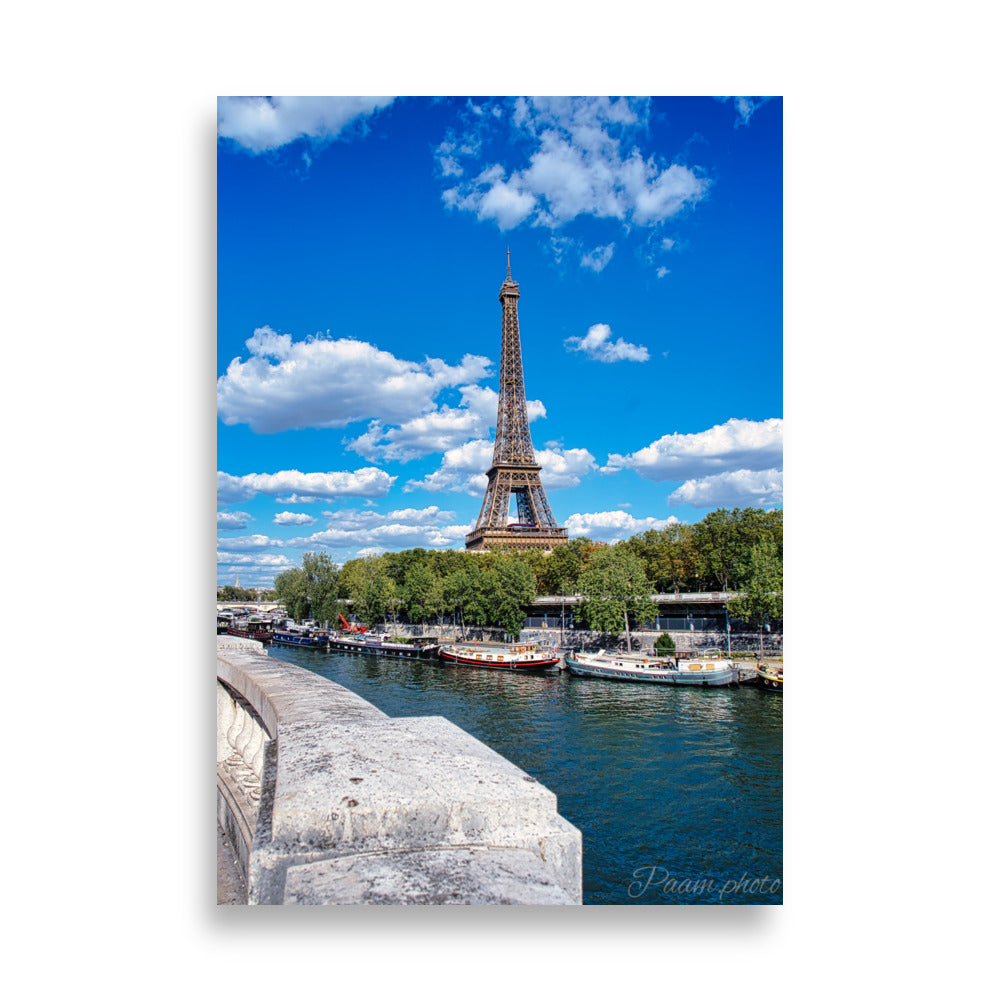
(326, 799)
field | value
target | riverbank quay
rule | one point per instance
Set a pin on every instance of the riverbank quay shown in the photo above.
(766, 648)
(327, 800)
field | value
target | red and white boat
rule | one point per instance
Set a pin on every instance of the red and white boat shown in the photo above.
(517, 656)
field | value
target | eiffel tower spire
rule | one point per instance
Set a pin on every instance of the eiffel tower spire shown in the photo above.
(514, 472)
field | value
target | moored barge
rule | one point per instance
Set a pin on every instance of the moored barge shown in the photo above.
(518, 656)
(698, 672)
(384, 645)
(298, 637)
(251, 630)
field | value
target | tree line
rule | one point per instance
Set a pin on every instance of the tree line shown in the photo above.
(731, 550)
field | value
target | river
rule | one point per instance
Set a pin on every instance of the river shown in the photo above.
(677, 792)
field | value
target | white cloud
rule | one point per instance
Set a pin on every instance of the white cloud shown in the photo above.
(224, 558)
(561, 246)
(653, 250)
(399, 529)
(288, 517)
(598, 258)
(598, 346)
(506, 202)
(226, 520)
(368, 482)
(366, 517)
(660, 195)
(320, 382)
(583, 160)
(249, 543)
(613, 525)
(438, 431)
(736, 444)
(562, 468)
(447, 163)
(745, 108)
(740, 488)
(463, 470)
(263, 123)
(491, 196)
(255, 569)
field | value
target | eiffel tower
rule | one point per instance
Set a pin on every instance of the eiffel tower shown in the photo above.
(514, 471)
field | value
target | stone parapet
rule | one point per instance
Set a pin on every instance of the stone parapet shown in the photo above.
(329, 800)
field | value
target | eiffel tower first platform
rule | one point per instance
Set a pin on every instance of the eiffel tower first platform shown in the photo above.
(514, 472)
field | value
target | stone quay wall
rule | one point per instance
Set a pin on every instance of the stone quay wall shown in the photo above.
(327, 800)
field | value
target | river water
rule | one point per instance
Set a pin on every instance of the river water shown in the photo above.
(677, 792)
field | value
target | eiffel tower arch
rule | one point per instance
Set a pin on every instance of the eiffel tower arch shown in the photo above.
(514, 473)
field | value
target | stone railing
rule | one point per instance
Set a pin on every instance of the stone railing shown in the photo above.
(326, 799)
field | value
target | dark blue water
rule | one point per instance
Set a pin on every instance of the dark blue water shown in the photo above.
(677, 792)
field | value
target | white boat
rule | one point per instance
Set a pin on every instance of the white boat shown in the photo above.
(517, 656)
(702, 671)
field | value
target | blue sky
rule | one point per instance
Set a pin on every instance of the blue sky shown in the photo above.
(361, 247)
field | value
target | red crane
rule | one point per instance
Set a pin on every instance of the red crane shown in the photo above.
(348, 627)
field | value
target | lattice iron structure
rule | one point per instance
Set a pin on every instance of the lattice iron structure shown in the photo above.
(514, 472)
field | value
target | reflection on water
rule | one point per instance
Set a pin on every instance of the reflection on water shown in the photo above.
(677, 791)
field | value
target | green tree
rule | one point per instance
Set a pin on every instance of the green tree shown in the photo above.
(724, 538)
(475, 606)
(309, 591)
(460, 593)
(373, 604)
(717, 539)
(507, 588)
(231, 593)
(664, 644)
(761, 595)
(687, 565)
(416, 588)
(366, 582)
(616, 590)
(562, 568)
(452, 589)
(434, 602)
(320, 575)
(291, 589)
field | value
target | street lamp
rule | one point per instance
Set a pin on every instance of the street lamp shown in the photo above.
(562, 619)
(725, 608)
